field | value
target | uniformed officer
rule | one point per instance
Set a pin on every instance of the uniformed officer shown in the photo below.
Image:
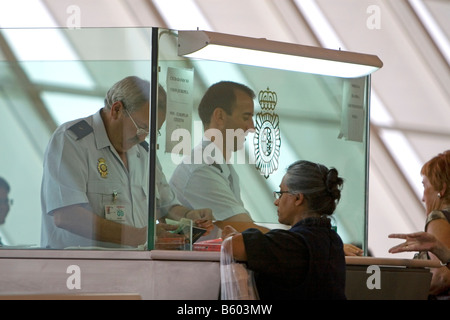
(5, 202)
(95, 182)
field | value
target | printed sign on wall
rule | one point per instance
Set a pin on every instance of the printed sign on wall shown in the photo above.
(180, 101)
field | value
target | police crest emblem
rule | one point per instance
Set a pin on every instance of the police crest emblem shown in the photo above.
(102, 167)
(267, 140)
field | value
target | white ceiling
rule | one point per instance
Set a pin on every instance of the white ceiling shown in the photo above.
(410, 94)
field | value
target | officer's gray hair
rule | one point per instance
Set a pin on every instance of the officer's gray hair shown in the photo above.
(132, 91)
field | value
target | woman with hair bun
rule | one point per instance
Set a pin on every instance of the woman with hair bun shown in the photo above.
(307, 261)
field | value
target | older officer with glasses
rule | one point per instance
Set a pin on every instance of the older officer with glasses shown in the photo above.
(5, 202)
(95, 183)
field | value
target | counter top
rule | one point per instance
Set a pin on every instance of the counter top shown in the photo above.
(412, 263)
(89, 253)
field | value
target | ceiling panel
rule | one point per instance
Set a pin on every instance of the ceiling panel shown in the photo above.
(406, 84)
(103, 13)
(274, 20)
(439, 13)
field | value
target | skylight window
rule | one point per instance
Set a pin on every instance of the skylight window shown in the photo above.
(65, 107)
(25, 14)
(395, 140)
(45, 54)
(182, 14)
(432, 27)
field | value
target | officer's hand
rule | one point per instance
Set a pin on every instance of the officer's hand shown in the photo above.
(202, 219)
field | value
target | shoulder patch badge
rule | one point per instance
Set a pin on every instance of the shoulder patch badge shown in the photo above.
(81, 129)
(145, 145)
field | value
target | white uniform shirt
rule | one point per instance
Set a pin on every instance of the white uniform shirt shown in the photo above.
(165, 197)
(72, 175)
(211, 184)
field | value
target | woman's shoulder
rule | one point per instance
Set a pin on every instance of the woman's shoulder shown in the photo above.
(438, 214)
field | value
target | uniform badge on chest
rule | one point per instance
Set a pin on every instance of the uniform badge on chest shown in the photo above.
(102, 167)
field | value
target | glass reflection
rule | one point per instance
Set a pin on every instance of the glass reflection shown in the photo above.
(315, 118)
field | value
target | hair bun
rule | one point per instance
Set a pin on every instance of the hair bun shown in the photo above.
(334, 183)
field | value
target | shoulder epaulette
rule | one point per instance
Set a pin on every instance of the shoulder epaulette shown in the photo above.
(144, 145)
(81, 129)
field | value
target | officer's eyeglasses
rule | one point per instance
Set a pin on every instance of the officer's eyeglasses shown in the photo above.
(139, 131)
(277, 194)
(6, 202)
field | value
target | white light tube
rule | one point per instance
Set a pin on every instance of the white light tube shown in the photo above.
(271, 54)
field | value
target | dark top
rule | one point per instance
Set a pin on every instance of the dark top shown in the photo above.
(434, 215)
(438, 214)
(304, 262)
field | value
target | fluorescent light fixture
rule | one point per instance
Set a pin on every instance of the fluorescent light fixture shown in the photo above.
(273, 54)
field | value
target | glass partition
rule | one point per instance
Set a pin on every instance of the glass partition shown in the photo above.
(51, 76)
(297, 116)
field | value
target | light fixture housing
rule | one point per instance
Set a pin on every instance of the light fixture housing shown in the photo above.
(273, 54)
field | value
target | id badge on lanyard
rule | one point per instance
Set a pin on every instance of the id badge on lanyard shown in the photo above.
(115, 212)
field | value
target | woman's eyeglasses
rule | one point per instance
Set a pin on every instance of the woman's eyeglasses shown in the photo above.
(277, 194)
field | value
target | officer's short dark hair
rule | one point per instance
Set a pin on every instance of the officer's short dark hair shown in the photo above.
(220, 95)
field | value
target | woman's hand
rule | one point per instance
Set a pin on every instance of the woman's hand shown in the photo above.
(228, 231)
(351, 250)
